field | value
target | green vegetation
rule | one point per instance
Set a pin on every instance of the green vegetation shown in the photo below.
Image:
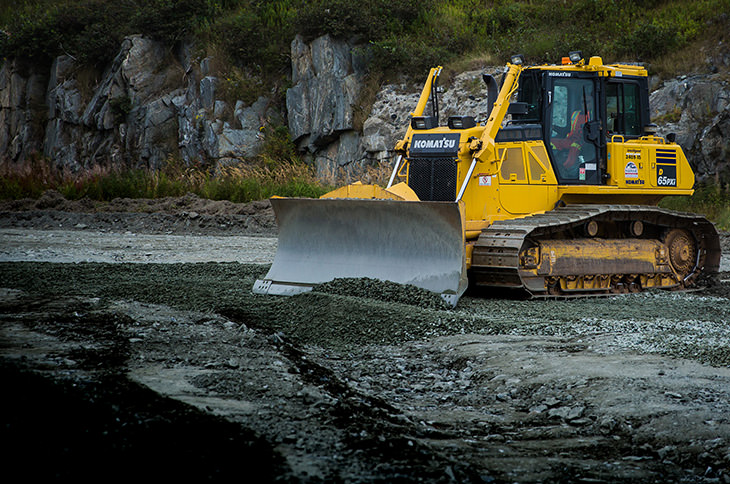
(91, 30)
(404, 36)
(250, 39)
(238, 184)
(709, 200)
(672, 116)
(277, 171)
(121, 107)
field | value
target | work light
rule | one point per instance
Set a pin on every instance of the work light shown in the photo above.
(575, 56)
(461, 122)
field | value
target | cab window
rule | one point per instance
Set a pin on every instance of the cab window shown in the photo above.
(530, 93)
(560, 107)
(622, 109)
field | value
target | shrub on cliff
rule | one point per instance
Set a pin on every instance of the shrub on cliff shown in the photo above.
(92, 30)
(406, 35)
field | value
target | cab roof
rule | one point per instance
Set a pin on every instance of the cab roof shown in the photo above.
(595, 64)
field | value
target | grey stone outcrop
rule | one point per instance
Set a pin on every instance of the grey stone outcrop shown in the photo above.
(327, 76)
(466, 95)
(22, 107)
(148, 105)
(697, 110)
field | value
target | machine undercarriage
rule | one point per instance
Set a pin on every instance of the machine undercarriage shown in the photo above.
(596, 249)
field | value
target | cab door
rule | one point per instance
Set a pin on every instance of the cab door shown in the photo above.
(573, 130)
(630, 161)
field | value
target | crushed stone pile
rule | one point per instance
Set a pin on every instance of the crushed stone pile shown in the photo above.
(383, 291)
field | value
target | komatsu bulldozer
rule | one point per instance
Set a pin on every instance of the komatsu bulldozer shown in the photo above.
(554, 194)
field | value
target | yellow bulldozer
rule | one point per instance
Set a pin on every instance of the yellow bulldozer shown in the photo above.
(555, 194)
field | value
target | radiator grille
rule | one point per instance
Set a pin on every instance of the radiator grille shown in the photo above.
(433, 179)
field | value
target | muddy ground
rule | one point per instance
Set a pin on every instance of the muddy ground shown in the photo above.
(131, 343)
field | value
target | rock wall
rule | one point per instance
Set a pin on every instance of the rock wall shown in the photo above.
(390, 115)
(150, 104)
(22, 108)
(697, 110)
(327, 77)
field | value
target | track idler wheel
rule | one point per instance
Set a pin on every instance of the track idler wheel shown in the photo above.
(682, 251)
(591, 228)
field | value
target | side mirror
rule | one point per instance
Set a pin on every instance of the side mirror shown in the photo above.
(592, 131)
(671, 137)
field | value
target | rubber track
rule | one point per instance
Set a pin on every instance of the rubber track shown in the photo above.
(495, 260)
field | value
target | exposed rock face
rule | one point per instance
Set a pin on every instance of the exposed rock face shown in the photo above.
(22, 106)
(147, 106)
(127, 119)
(150, 104)
(697, 109)
(327, 77)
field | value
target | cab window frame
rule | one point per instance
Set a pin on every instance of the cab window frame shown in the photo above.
(619, 117)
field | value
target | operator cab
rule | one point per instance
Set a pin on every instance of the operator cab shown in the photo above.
(579, 109)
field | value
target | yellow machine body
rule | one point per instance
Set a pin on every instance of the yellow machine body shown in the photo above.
(516, 178)
(559, 199)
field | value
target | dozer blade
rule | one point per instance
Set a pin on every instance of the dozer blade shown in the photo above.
(418, 243)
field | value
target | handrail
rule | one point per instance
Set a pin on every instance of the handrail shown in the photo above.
(403, 167)
(395, 171)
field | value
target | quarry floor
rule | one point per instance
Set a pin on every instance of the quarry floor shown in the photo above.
(130, 340)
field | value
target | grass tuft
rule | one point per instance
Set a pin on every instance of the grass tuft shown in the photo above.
(256, 180)
(710, 200)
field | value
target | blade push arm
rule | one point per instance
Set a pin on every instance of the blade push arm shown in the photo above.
(483, 148)
(433, 75)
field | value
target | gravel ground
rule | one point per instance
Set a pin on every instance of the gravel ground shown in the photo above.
(18, 245)
(148, 360)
